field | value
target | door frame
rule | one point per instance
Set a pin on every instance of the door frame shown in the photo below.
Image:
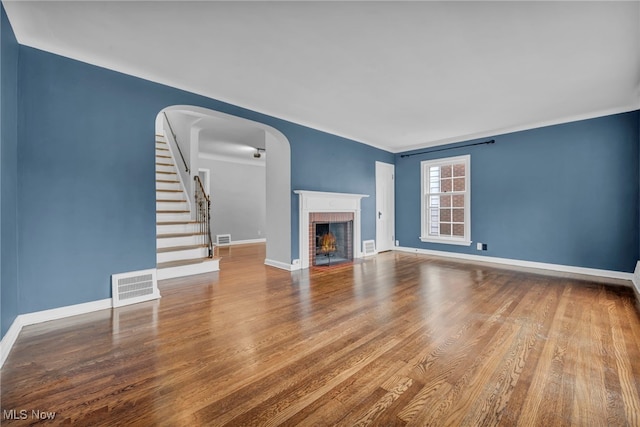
(207, 179)
(382, 178)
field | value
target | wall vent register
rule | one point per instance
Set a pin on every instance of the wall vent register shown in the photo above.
(134, 287)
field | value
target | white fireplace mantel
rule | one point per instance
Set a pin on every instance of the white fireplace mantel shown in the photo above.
(319, 201)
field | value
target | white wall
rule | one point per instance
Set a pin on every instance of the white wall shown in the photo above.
(279, 201)
(238, 199)
(181, 144)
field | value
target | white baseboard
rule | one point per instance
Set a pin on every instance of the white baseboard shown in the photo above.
(282, 265)
(61, 312)
(636, 278)
(44, 316)
(520, 263)
(247, 242)
(9, 339)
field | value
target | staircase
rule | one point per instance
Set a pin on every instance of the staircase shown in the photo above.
(181, 247)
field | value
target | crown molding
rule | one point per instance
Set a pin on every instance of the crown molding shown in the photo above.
(535, 125)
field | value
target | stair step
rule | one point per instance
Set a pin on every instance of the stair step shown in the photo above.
(161, 223)
(170, 264)
(188, 267)
(178, 253)
(176, 225)
(172, 205)
(174, 196)
(174, 216)
(168, 185)
(177, 238)
(179, 248)
(173, 235)
(187, 255)
(165, 170)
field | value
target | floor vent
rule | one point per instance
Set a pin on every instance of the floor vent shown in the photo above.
(369, 247)
(134, 287)
(223, 239)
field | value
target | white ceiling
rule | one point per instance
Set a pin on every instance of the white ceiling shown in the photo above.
(219, 138)
(396, 75)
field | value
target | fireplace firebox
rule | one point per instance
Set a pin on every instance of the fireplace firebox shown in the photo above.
(318, 206)
(333, 243)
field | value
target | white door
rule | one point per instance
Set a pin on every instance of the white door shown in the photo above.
(385, 207)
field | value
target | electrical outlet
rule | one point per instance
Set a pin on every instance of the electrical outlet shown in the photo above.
(479, 246)
(397, 242)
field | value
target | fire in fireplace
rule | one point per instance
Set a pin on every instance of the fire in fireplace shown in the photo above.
(333, 243)
(327, 243)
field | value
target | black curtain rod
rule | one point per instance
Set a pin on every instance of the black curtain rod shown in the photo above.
(491, 141)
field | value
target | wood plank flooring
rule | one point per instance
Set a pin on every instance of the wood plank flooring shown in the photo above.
(397, 339)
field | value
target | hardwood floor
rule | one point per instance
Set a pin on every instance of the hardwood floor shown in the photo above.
(398, 339)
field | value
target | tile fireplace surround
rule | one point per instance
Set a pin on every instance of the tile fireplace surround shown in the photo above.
(318, 202)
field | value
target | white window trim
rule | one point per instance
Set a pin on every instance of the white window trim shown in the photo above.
(424, 234)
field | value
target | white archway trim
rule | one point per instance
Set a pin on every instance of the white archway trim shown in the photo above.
(278, 185)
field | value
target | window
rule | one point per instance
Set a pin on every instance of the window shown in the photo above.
(446, 197)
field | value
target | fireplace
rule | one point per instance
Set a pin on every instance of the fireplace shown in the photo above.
(330, 238)
(328, 208)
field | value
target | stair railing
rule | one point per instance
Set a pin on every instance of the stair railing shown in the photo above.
(203, 215)
(175, 138)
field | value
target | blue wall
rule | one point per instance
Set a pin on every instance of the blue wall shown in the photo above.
(318, 161)
(8, 173)
(564, 194)
(86, 173)
(82, 158)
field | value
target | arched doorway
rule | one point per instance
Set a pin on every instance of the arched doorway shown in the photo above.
(277, 173)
